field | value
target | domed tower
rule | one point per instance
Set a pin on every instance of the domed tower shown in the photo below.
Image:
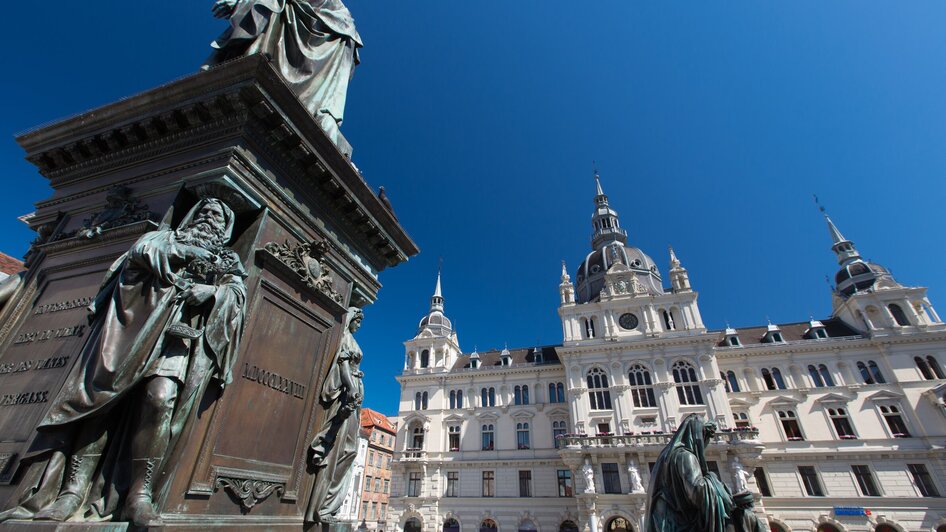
(868, 298)
(435, 346)
(618, 291)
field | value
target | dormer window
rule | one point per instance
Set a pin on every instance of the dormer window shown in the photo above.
(816, 330)
(777, 337)
(734, 341)
(773, 335)
(537, 356)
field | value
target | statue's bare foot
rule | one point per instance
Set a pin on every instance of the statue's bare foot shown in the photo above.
(140, 511)
(60, 509)
(16, 513)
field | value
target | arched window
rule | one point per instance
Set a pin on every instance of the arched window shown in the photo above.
(492, 396)
(642, 387)
(870, 372)
(731, 381)
(560, 392)
(668, 321)
(924, 368)
(488, 525)
(488, 437)
(842, 424)
(767, 378)
(488, 396)
(815, 376)
(898, 315)
(417, 438)
(459, 398)
(825, 527)
(558, 433)
(688, 388)
(525, 394)
(453, 399)
(891, 414)
(451, 525)
(423, 401)
(453, 438)
(619, 524)
(865, 374)
(935, 368)
(599, 393)
(517, 395)
(790, 425)
(826, 375)
(591, 328)
(417, 401)
(522, 436)
(526, 525)
(742, 420)
(779, 381)
(568, 526)
(424, 358)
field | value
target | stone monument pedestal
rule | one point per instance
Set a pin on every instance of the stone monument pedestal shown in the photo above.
(237, 133)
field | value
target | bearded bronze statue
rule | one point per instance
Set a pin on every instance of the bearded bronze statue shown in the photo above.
(166, 322)
(685, 496)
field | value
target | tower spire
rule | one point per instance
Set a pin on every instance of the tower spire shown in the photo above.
(605, 220)
(841, 246)
(436, 302)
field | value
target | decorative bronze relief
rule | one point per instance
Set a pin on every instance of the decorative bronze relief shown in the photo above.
(250, 491)
(307, 261)
(120, 209)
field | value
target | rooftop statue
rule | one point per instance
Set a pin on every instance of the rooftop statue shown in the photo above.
(166, 322)
(313, 44)
(685, 496)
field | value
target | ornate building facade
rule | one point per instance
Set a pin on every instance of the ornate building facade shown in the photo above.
(834, 425)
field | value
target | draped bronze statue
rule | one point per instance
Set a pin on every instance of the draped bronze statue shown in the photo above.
(166, 322)
(312, 43)
(335, 446)
(685, 496)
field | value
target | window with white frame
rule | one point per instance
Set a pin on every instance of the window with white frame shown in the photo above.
(865, 481)
(413, 484)
(929, 367)
(742, 420)
(923, 480)
(522, 436)
(898, 315)
(894, 419)
(453, 484)
(642, 387)
(870, 372)
(453, 437)
(424, 358)
(842, 423)
(820, 376)
(729, 378)
(417, 438)
(811, 481)
(558, 434)
(556, 392)
(790, 425)
(520, 395)
(688, 387)
(488, 396)
(773, 379)
(599, 393)
(488, 434)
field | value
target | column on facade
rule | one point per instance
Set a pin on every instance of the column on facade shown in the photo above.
(931, 310)
(663, 385)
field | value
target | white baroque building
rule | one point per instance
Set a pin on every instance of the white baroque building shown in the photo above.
(834, 425)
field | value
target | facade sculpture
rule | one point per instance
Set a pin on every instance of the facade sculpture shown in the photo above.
(166, 321)
(335, 447)
(312, 43)
(684, 495)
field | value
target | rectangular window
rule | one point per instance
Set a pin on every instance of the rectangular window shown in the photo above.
(525, 483)
(810, 479)
(384, 511)
(842, 425)
(790, 425)
(762, 482)
(377, 484)
(453, 483)
(894, 421)
(612, 479)
(371, 510)
(489, 484)
(923, 480)
(865, 481)
(454, 438)
(413, 485)
(367, 483)
(565, 483)
(364, 510)
(387, 485)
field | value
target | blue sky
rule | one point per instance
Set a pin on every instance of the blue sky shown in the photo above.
(712, 124)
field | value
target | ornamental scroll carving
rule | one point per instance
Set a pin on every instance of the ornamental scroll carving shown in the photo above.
(250, 491)
(307, 260)
(120, 209)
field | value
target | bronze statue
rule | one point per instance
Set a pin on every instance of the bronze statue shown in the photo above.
(166, 320)
(685, 496)
(312, 43)
(335, 447)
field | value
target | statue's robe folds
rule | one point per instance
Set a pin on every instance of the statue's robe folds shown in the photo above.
(313, 44)
(127, 344)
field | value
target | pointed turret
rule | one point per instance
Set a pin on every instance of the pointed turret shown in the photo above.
(436, 301)
(566, 289)
(843, 247)
(605, 220)
(435, 320)
(679, 278)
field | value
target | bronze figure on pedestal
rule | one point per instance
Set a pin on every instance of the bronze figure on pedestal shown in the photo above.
(166, 321)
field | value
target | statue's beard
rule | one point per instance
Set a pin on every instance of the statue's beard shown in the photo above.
(202, 234)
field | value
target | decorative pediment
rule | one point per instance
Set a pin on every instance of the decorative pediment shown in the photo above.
(556, 412)
(833, 398)
(618, 267)
(487, 416)
(416, 417)
(885, 395)
(741, 403)
(523, 414)
(454, 418)
(785, 401)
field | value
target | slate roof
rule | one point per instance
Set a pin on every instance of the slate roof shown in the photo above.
(9, 265)
(371, 418)
(521, 355)
(791, 332)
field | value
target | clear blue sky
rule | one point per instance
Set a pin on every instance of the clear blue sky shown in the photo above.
(712, 124)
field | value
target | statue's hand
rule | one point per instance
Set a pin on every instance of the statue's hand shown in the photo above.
(200, 294)
(197, 252)
(224, 8)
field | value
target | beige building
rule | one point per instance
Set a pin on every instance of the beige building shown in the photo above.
(835, 425)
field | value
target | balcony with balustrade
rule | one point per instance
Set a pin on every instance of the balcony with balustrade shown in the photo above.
(654, 440)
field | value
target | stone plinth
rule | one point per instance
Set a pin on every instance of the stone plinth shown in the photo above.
(237, 133)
